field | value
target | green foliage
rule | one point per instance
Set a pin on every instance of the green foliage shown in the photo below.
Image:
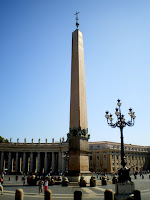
(6, 141)
(3, 140)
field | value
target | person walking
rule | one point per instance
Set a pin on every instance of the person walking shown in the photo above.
(40, 186)
(1, 188)
(2, 176)
(23, 179)
(45, 185)
(16, 177)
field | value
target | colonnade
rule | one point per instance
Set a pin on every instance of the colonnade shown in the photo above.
(33, 162)
(33, 157)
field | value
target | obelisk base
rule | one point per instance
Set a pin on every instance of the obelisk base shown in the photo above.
(124, 190)
(76, 177)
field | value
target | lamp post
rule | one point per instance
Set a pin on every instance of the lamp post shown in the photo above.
(121, 123)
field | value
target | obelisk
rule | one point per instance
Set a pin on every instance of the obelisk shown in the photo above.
(78, 134)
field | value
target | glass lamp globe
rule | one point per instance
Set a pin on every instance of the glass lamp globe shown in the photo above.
(107, 116)
(119, 103)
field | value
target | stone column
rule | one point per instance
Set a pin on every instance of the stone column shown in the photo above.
(16, 163)
(127, 160)
(39, 163)
(31, 162)
(131, 162)
(36, 164)
(115, 162)
(4, 165)
(12, 164)
(59, 162)
(143, 160)
(53, 162)
(63, 162)
(119, 161)
(24, 162)
(141, 167)
(28, 164)
(134, 159)
(45, 163)
(9, 162)
(56, 161)
(20, 164)
(110, 160)
(138, 162)
(2, 161)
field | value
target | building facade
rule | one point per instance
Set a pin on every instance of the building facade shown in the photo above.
(106, 157)
(52, 157)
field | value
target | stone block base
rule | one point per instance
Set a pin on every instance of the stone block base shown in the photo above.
(124, 190)
(86, 175)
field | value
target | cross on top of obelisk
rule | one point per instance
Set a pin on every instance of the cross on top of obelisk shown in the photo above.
(77, 23)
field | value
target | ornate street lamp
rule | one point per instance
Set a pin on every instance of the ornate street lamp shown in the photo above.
(121, 123)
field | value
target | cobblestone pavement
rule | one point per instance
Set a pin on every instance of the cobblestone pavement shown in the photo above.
(60, 193)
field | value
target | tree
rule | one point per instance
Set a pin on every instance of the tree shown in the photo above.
(3, 140)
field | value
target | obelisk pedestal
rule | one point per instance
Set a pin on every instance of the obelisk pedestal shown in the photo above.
(78, 159)
(124, 190)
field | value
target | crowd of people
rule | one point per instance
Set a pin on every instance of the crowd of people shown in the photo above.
(43, 181)
(33, 179)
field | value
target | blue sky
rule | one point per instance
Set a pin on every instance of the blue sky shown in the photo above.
(35, 67)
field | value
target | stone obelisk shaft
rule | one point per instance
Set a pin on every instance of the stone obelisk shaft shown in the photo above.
(78, 107)
(78, 164)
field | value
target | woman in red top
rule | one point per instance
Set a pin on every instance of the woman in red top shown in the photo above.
(45, 185)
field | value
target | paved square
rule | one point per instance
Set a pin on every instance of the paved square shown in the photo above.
(59, 192)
